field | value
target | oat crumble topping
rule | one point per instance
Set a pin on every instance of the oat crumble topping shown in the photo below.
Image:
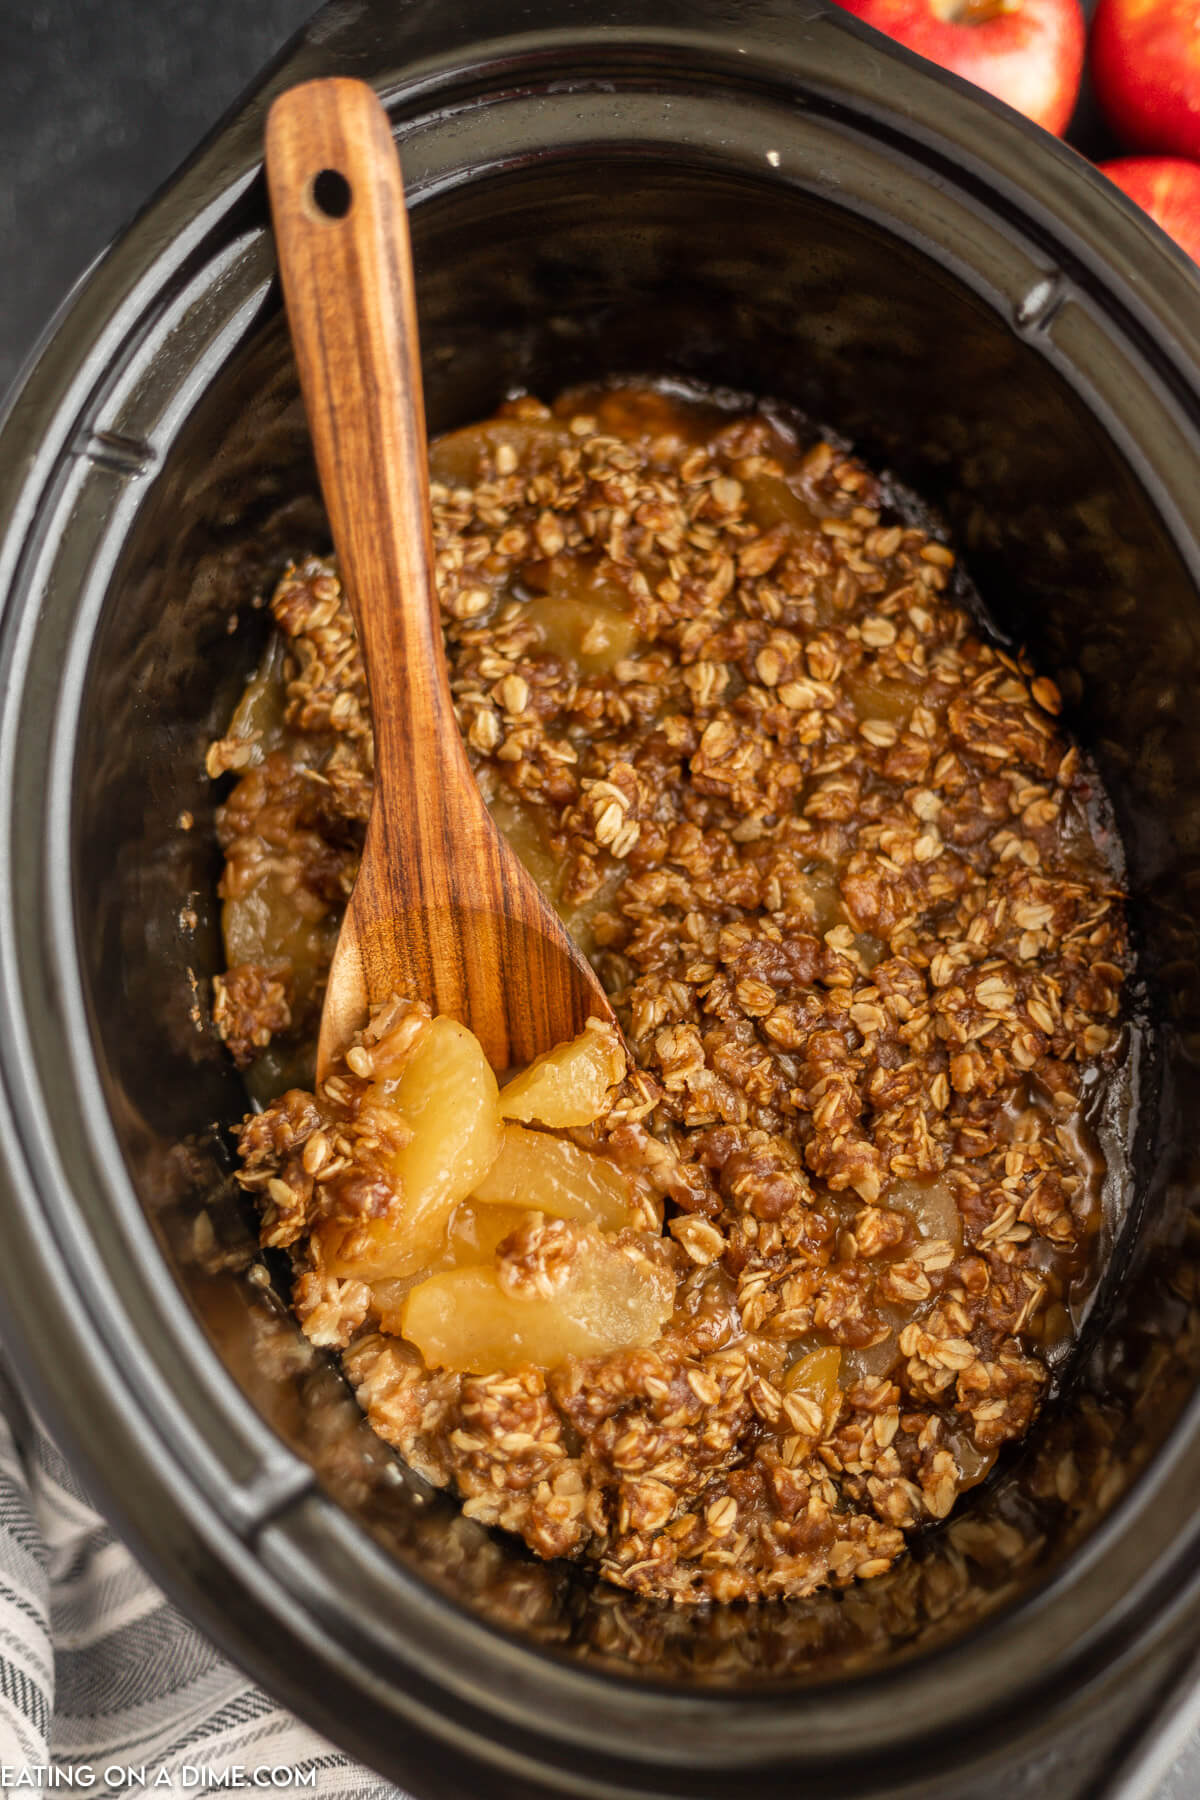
(835, 862)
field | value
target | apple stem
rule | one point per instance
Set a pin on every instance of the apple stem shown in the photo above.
(979, 12)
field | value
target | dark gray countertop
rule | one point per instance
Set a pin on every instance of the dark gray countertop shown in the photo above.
(100, 100)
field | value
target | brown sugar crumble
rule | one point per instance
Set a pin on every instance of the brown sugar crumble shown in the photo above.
(832, 856)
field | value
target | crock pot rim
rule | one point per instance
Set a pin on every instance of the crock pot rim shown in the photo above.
(226, 194)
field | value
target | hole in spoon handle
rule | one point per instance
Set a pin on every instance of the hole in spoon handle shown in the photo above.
(332, 196)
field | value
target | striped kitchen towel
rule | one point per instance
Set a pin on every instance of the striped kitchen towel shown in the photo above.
(104, 1687)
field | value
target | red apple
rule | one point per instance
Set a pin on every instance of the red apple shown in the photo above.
(1146, 71)
(1028, 52)
(1168, 189)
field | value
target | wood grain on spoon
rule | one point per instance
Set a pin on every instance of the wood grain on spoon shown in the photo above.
(442, 909)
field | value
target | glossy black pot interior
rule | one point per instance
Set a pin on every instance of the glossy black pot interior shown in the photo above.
(770, 201)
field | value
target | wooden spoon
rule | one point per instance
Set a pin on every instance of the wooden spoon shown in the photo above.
(442, 910)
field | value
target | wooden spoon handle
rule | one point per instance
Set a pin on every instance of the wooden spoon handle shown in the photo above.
(442, 911)
(341, 232)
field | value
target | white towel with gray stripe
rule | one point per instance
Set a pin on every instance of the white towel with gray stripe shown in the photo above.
(104, 1687)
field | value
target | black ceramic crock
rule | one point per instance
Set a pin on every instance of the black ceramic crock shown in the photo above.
(767, 196)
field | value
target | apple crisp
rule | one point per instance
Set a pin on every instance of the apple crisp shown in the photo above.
(730, 1308)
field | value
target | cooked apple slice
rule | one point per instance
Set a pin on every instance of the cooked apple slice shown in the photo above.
(475, 1234)
(815, 1376)
(389, 1296)
(557, 1177)
(503, 445)
(607, 1295)
(447, 1096)
(570, 1084)
(591, 630)
(931, 1205)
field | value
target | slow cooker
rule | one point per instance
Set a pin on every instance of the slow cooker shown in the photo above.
(762, 194)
